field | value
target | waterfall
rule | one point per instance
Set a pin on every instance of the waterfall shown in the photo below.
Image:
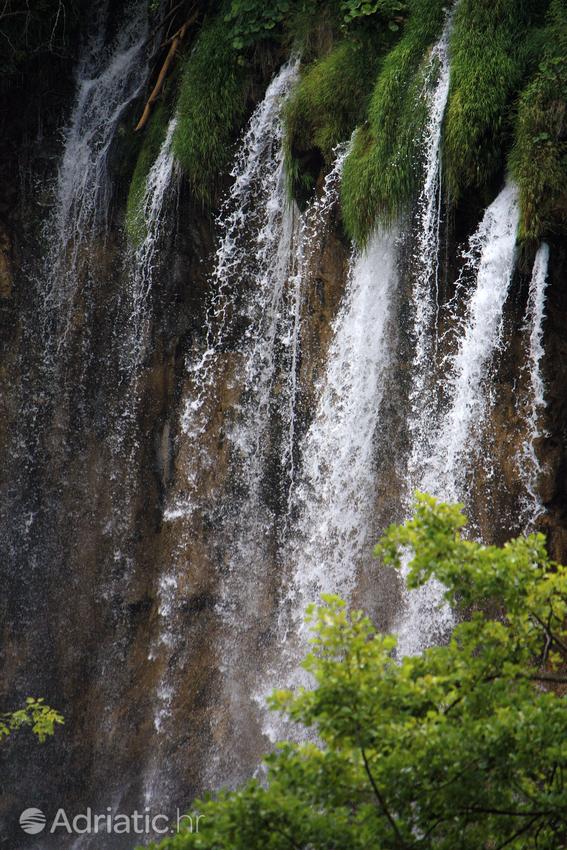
(491, 258)
(107, 82)
(252, 266)
(465, 382)
(143, 260)
(425, 290)
(423, 613)
(211, 429)
(334, 496)
(528, 461)
(247, 352)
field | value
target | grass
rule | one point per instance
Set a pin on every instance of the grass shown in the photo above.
(381, 172)
(330, 100)
(489, 61)
(210, 108)
(538, 159)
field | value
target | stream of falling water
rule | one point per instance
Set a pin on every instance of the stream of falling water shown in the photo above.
(528, 461)
(425, 289)
(465, 381)
(334, 495)
(250, 333)
(252, 264)
(143, 260)
(108, 80)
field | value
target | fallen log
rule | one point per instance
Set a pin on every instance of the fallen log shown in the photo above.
(175, 40)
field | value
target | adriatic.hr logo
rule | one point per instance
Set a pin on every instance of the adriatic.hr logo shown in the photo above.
(34, 821)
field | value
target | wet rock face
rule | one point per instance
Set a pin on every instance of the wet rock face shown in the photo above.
(6, 265)
(100, 575)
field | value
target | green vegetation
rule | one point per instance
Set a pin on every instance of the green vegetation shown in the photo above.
(381, 171)
(488, 63)
(36, 714)
(367, 62)
(539, 156)
(151, 144)
(211, 106)
(389, 10)
(461, 748)
(329, 101)
(253, 20)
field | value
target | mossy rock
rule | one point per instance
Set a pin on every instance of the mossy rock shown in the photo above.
(211, 106)
(539, 157)
(490, 54)
(326, 105)
(152, 142)
(381, 172)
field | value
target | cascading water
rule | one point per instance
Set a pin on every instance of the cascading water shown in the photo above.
(334, 496)
(153, 215)
(491, 258)
(263, 264)
(465, 382)
(528, 461)
(425, 289)
(249, 344)
(107, 82)
(252, 264)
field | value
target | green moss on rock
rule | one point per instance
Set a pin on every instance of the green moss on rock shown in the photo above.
(489, 60)
(153, 140)
(211, 105)
(539, 157)
(329, 101)
(381, 171)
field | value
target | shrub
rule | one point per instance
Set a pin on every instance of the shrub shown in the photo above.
(461, 748)
(35, 714)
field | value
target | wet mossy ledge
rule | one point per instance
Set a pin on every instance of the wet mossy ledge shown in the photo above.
(149, 150)
(211, 106)
(538, 160)
(330, 99)
(381, 171)
(364, 76)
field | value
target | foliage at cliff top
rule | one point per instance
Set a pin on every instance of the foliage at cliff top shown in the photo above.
(539, 157)
(253, 20)
(35, 714)
(460, 748)
(381, 171)
(490, 51)
(210, 108)
(367, 66)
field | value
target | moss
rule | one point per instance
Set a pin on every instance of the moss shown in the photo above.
(210, 108)
(328, 103)
(153, 139)
(539, 157)
(489, 60)
(381, 171)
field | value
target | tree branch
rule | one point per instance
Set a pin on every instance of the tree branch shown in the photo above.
(381, 801)
(176, 41)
